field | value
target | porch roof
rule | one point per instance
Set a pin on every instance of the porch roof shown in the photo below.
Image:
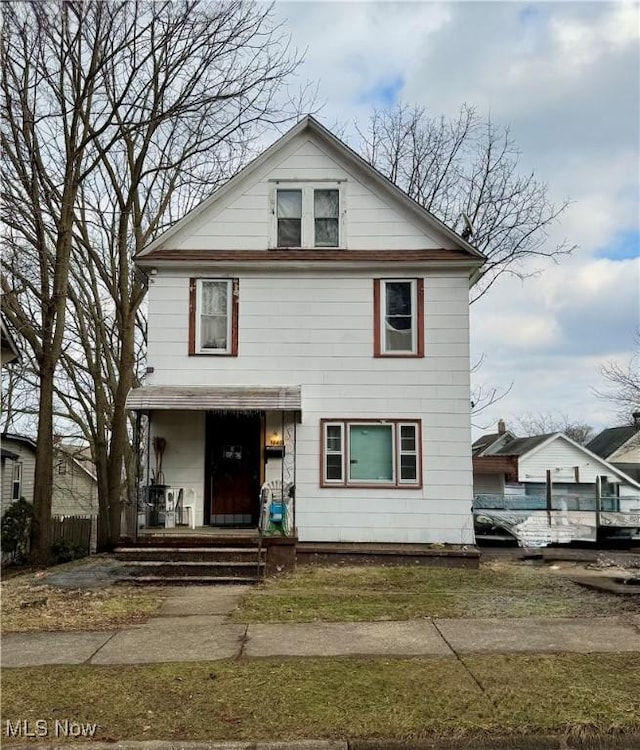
(221, 397)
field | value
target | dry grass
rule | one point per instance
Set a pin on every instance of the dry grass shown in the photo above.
(497, 589)
(31, 606)
(335, 698)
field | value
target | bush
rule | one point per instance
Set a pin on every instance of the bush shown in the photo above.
(15, 529)
(62, 550)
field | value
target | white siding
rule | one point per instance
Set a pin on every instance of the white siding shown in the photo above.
(28, 460)
(75, 493)
(242, 220)
(629, 453)
(561, 458)
(316, 331)
(183, 461)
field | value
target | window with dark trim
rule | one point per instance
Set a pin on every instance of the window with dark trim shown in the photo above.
(398, 306)
(16, 480)
(370, 453)
(213, 317)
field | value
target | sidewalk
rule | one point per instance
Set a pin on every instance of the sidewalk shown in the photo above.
(192, 626)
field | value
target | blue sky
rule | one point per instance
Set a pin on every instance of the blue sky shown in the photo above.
(565, 77)
(625, 244)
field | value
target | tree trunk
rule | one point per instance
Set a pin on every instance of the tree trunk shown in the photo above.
(43, 477)
(120, 444)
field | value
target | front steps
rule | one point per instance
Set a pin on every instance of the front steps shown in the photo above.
(191, 566)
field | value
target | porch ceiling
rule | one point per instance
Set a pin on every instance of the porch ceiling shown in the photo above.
(202, 398)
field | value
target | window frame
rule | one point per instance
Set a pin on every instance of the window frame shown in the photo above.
(278, 218)
(397, 482)
(308, 224)
(417, 314)
(16, 481)
(195, 297)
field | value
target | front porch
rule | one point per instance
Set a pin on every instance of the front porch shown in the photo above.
(205, 456)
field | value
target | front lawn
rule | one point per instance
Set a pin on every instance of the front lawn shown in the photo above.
(478, 697)
(29, 605)
(499, 589)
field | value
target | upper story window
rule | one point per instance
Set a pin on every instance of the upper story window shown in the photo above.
(398, 317)
(213, 316)
(307, 216)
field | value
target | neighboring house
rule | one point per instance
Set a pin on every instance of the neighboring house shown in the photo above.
(310, 323)
(75, 488)
(513, 476)
(523, 465)
(8, 347)
(620, 446)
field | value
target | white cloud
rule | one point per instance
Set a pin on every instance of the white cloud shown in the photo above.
(566, 78)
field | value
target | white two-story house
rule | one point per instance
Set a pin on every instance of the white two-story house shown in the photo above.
(310, 323)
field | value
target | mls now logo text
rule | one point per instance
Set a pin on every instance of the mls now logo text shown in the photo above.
(44, 728)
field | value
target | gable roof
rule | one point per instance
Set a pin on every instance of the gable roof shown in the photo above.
(608, 441)
(58, 450)
(8, 342)
(309, 124)
(485, 442)
(520, 446)
(27, 442)
(529, 445)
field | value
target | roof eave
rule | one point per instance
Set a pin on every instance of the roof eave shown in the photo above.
(347, 154)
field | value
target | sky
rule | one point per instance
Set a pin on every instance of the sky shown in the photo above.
(565, 77)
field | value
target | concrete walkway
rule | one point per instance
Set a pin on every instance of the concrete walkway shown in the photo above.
(192, 625)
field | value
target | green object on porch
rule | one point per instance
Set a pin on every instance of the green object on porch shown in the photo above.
(277, 518)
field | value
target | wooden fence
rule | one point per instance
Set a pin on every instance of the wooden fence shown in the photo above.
(74, 529)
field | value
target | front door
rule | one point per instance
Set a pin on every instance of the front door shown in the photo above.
(233, 469)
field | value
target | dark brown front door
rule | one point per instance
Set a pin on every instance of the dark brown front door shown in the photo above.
(233, 469)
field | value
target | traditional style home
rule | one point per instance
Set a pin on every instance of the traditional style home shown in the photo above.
(75, 488)
(309, 324)
(524, 484)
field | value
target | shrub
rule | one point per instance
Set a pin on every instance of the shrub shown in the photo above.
(15, 528)
(62, 550)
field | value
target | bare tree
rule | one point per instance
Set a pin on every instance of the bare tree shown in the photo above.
(467, 167)
(545, 423)
(119, 119)
(622, 387)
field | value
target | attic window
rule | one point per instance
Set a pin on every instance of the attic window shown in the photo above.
(289, 218)
(326, 205)
(307, 216)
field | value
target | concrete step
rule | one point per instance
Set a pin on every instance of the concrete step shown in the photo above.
(196, 540)
(190, 554)
(185, 569)
(188, 580)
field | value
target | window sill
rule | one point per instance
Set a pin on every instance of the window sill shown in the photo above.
(399, 355)
(370, 486)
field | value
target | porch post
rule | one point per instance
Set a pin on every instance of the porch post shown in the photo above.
(136, 498)
(288, 462)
